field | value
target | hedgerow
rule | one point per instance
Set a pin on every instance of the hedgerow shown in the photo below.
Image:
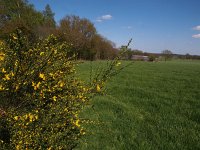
(40, 96)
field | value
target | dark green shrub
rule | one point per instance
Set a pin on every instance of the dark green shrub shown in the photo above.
(152, 57)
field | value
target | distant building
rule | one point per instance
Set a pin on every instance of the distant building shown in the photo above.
(140, 57)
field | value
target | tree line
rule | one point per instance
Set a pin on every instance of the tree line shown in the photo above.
(163, 55)
(80, 33)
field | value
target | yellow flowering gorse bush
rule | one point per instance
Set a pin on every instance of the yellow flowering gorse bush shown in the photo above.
(40, 96)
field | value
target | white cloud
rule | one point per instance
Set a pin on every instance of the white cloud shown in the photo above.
(197, 28)
(196, 36)
(104, 17)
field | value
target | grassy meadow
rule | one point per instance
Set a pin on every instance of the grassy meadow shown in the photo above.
(147, 106)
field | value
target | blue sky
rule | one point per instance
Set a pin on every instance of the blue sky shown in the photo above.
(154, 25)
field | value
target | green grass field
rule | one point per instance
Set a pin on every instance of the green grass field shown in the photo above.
(147, 106)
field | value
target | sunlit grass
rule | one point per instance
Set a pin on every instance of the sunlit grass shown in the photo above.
(147, 106)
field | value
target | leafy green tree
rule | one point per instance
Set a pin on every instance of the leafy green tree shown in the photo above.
(49, 17)
(18, 14)
(48, 26)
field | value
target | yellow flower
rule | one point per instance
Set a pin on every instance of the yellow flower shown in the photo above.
(98, 88)
(2, 56)
(7, 77)
(31, 117)
(19, 132)
(51, 74)
(49, 61)
(17, 87)
(16, 63)
(36, 86)
(77, 123)
(41, 53)
(33, 84)
(12, 74)
(18, 147)
(54, 98)
(61, 83)
(26, 116)
(82, 132)
(36, 117)
(80, 96)
(3, 70)
(119, 63)
(32, 71)
(41, 75)
(16, 117)
(14, 37)
(1, 87)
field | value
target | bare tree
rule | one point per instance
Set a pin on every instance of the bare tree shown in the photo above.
(167, 54)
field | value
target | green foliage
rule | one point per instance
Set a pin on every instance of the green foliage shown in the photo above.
(49, 17)
(17, 14)
(48, 25)
(152, 57)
